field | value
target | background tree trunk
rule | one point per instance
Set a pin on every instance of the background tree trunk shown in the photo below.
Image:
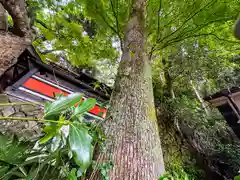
(132, 125)
(199, 96)
(169, 83)
(168, 79)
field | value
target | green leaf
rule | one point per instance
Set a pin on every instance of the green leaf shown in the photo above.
(62, 104)
(80, 145)
(56, 142)
(79, 172)
(85, 106)
(35, 169)
(47, 137)
(186, 177)
(72, 174)
(237, 178)
(12, 150)
(50, 131)
(23, 170)
(3, 170)
(18, 174)
(49, 35)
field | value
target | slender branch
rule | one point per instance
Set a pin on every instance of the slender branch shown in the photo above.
(117, 23)
(221, 39)
(178, 74)
(183, 33)
(111, 27)
(198, 35)
(19, 118)
(18, 12)
(103, 18)
(214, 35)
(31, 119)
(20, 103)
(158, 19)
(152, 51)
(158, 31)
(42, 23)
(48, 51)
(190, 17)
(201, 26)
(172, 19)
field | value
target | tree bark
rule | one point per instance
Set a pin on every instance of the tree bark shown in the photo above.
(134, 143)
(199, 96)
(14, 41)
(169, 83)
(168, 79)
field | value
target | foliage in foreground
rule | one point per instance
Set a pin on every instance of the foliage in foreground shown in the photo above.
(175, 176)
(64, 152)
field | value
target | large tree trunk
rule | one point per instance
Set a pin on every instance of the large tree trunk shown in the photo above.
(132, 126)
(14, 41)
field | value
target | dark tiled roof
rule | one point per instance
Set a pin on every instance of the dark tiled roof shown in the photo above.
(223, 92)
(79, 79)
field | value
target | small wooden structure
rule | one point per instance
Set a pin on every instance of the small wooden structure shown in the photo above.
(32, 80)
(227, 101)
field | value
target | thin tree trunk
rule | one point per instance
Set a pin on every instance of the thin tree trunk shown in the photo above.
(198, 94)
(168, 79)
(132, 127)
(169, 83)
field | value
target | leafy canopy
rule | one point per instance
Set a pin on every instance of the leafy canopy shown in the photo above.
(83, 31)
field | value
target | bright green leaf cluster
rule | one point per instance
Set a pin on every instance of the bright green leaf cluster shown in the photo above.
(69, 110)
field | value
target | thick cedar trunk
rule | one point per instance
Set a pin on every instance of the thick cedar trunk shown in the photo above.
(132, 125)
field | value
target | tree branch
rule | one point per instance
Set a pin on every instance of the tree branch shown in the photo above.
(221, 39)
(117, 23)
(20, 103)
(151, 51)
(18, 12)
(183, 33)
(171, 18)
(196, 29)
(158, 30)
(42, 23)
(48, 51)
(158, 19)
(31, 119)
(111, 27)
(105, 21)
(198, 35)
(201, 26)
(191, 16)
